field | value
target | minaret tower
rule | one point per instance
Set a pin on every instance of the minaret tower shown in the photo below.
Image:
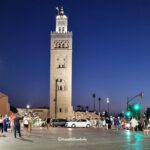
(61, 69)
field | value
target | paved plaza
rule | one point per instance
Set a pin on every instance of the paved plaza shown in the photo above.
(76, 139)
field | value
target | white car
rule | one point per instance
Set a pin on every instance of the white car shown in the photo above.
(83, 123)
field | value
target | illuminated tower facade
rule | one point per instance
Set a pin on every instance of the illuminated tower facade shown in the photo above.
(61, 69)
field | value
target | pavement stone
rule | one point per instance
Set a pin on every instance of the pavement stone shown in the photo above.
(76, 139)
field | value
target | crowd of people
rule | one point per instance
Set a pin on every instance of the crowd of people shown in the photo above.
(122, 123)
(4, 123)
(15, 122)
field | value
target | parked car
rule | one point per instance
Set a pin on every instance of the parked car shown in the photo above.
(84, 123)
(58, 122)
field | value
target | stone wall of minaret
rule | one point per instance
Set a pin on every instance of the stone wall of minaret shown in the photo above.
(61, 69)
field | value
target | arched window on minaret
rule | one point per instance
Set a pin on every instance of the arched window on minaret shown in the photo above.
(59, 66)
(59, 45)
(61, 88)
(63, 29)
(61, 85)
(59, 29)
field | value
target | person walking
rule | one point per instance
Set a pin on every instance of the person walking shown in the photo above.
(17, 126)
(1, 124)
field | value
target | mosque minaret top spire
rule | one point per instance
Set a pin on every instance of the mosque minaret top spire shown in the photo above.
(61, 21)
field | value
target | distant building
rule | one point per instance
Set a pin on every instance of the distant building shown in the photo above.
(4, 104)
(43, 113)
(86, 115)
(61, 69)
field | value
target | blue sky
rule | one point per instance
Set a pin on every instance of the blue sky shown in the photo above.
(111, 50)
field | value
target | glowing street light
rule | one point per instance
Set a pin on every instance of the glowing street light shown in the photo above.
(128, 114)
(28, 106)
(136, 107)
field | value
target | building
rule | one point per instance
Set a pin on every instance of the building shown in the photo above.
(4, 104)
(86, 115)
(61, 69)
(43, 113)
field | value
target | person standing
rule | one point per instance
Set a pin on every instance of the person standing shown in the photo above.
(29, 124)
(17, 126)
(1, 123)
(48, 123)
(12, 117)
(104, 122)
(98, 123)
(117, 123)
(108, 123)
(26, 123)
(6, 121)
(134, 124)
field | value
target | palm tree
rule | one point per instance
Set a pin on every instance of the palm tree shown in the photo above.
(94, 101)
(87, 108)
(99, 100)
(82, 108)
(78, 107)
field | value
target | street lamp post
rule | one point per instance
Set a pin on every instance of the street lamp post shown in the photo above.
(28, 107)
(107, 100)
(99, 99)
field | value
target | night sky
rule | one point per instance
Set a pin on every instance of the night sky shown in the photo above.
(111, 50)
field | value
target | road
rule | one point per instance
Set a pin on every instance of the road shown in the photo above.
(76, 139)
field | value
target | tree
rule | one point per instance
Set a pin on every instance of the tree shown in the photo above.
(82, 108)
(78, 107)
(148, 113)
(13, 109)
(94, 101)
(87, 108)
